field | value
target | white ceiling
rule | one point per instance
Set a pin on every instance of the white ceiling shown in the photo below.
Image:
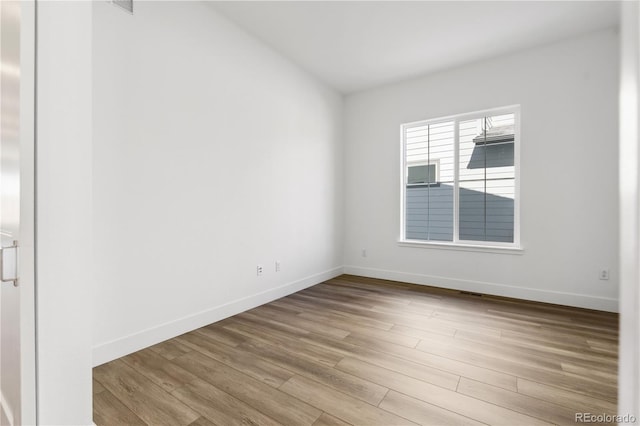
(354, 45)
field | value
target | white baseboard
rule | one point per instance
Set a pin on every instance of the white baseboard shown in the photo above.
(538, 295)
(114, 349)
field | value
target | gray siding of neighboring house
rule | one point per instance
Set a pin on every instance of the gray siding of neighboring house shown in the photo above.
(483, 217)
(430, 212)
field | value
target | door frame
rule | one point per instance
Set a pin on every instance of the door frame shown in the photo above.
(26, 410)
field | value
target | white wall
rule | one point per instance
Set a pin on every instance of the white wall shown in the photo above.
(212, 154)
(63, 213)
(569, 163)
(629, 366)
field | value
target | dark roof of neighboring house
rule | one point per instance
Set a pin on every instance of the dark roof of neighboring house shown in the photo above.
(496, 134)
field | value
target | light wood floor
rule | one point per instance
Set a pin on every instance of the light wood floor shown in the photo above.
(369, 352)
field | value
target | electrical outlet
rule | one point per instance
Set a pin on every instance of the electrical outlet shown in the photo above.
(604, 274)
(277, 266)
(259, 270)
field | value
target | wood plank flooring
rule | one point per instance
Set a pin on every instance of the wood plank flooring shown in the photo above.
(360, 351)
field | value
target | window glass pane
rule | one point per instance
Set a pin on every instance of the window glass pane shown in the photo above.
(429, 207)
(421, 174)
(487, 179)
(432, 177)
(417, 175)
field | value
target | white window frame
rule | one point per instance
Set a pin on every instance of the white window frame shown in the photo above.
(490, 246)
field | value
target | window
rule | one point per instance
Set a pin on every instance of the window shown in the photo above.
(422, 173)
(460, 179)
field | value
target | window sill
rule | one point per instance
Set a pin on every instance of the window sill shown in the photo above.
(461, 247)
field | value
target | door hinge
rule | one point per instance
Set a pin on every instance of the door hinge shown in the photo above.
(9, 264)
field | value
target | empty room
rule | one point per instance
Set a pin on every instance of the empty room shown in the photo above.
(320, 212)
